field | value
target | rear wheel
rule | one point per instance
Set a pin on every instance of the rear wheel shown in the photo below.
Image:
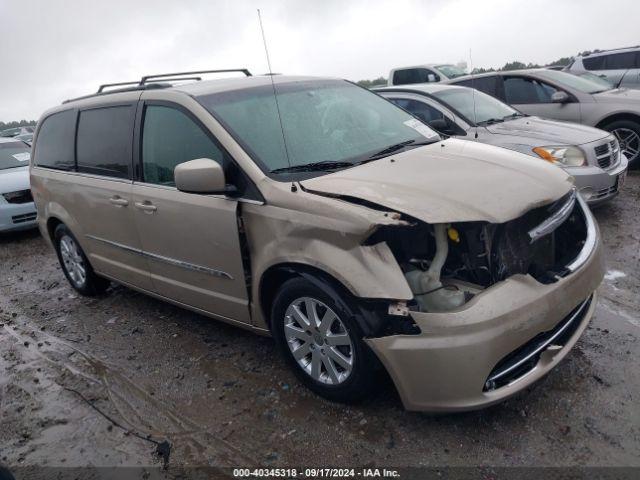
(628, 134)
(75, 265)
(321, 341)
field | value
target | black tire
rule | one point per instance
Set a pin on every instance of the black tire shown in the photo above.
(90, 284)
(634, 126)
(364, 369)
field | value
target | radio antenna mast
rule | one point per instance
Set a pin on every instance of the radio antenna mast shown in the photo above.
(275, 95)
(473, 93)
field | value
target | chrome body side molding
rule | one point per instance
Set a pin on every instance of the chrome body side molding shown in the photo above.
(161, 258)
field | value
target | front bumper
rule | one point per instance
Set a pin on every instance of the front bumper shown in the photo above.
(446, 367)
(597, 185)
(19, 216)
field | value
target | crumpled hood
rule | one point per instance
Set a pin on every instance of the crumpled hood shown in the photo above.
(451, 181)
(14, 179)
(538, 132)
(627, 96)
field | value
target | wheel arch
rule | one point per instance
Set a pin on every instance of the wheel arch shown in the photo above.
(276, 275)
(616, 117)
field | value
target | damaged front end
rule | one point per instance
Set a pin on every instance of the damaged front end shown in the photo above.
(447, 264)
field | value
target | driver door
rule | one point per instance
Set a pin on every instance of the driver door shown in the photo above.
(190, 241)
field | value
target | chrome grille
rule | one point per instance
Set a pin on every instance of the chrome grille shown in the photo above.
(607, 154)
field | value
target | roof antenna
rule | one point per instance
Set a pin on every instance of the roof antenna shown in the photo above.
(275, 96)
(473, 93)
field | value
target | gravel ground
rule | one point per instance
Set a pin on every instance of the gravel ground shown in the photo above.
(104, 381)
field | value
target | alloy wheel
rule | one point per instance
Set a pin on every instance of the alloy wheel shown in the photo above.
(319, 341)
(72, 260)
(629, 142)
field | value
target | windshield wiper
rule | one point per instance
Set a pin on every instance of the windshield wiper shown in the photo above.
(325, 165)
(394, 148)
(491, 121)
(513, 115)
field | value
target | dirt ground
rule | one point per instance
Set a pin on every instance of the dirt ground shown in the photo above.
(98, 381)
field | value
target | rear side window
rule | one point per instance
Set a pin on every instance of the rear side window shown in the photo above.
(170, 137)
(488, 85)
(54, 144)
(594, 63)
(620, 61)
(104, 141)
(414, 75)
(614, 61)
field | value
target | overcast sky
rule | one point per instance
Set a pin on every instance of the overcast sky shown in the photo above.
(55, 49)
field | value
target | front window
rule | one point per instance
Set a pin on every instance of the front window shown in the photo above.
(583, 84)
(451, 71)
(487, 108)
(323, 122)
(13, 155)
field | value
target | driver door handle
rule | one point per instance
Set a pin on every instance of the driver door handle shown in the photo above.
(146, 206)
(118, 201)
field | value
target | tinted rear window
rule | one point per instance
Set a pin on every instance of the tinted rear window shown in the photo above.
(54, 145)
(104, 141)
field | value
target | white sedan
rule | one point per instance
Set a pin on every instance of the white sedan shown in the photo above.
(17, 210)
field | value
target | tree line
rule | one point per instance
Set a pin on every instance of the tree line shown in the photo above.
(515, 65)
(14, 124)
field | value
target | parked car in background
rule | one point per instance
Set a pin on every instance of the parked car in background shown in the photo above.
(429, 73)
(12, 132)
(362, 241)
(472, 115)
(17, 210)
(570, 98)
(620, 66)
(25, 137)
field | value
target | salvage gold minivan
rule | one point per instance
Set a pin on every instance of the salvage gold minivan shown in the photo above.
(331, 219)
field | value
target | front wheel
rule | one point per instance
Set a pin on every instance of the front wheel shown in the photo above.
(75, 265)
(321, 341)
(628, 134)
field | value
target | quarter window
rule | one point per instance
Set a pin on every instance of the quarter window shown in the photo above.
(169, 138)
(104, 141)
(54, 143)
(521, 90)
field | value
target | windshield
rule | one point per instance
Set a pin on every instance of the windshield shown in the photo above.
(14, 154)
(324, 122)
(582, 83)
(451, 71)
(487, 108)
(606, 84)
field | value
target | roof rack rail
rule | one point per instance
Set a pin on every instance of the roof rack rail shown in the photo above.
(119, 84)
(154, 81)
(610, 50)
(146, 78)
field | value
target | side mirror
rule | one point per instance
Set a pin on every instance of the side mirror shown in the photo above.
(431, 78)
(560, 97)
(202, 175)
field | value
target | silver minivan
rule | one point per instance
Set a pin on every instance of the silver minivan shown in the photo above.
(621, 66)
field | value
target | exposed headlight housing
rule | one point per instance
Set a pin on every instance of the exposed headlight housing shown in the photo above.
(566, 156)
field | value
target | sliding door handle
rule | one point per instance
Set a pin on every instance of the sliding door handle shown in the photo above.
(118, 201)
(146, 206)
